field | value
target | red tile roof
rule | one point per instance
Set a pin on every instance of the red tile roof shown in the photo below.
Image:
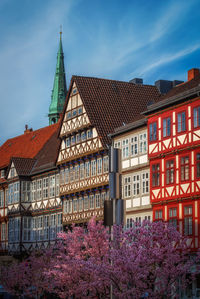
(110, 104)
(26, 145)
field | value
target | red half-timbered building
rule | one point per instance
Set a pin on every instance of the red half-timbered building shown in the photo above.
(174, 153)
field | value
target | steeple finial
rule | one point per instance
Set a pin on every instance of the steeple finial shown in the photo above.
(60, 32)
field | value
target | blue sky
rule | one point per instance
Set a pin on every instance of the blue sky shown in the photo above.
(115, 39)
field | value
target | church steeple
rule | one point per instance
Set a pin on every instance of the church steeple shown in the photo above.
(59, 91)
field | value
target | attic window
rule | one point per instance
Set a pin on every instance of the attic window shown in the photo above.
(33, 137)
(74, 90)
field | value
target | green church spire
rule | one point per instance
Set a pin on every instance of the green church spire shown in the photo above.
(59, 91)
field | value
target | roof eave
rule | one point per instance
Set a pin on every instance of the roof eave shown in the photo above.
(128, 127)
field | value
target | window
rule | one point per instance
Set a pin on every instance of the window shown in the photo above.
(16, 191)
(134, 145)
(68, 142)
(69, 115)
(99, 166)
(158, 215)
(185, 168)
(97, 200)
(39, 189)
(74, 112)
(45, 187)
(3, 231)
(27, 228)
(73, 140)
(76, 172)
(153, 131)
(71, 174)
(40, 228)
(117, 144)
(103, 198)
(59, 223)
(87, 169)
(6, 197)
(78, 138)
(145, 183)
(125, 148)
(46, 227)
(34, 190)
(136, 184)
(188, 220)
(2, 172)
(52, 186)
(173, 216)
(81, 171)
(143, 143)
(181, 122)
(34, 229)
(66, 175)
(155, 175)
(89, 134)
(83, 136)
(80, 110)
(127, 187)
(86, 203)
(75, 204)
(14, 229)
(10, 193)
(81, 204)
(57, 184)
(170, 171)
(196, 116)
(1, 198)
(67, 206)
(52, 226)
(93, 167)
(167, 127)
(70, 206)
(198, 165)
(105, 164)
(92, 201)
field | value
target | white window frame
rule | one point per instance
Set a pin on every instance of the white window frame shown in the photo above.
(125, 148)
(143, 143)
(145, 182)
(105, 164)
(99, 166)
(45, 187)
(93, 168)
(27, 228)
(52, 184)
(82, 171)
(127, 187)
(134, 145)
(91, 201)
(1, 198)
(98, 200)
(136, 184)
(87, 169)
(39, 189)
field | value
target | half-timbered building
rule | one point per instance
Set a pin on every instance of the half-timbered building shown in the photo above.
(174, 153)
(94, 107)
(19, 157)
(132, 140)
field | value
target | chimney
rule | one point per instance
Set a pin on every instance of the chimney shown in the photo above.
(193, 73)
(27, 130)
(136, 81)
(164, 86)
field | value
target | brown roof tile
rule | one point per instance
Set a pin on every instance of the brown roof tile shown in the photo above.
(111, 103)
(23, 166)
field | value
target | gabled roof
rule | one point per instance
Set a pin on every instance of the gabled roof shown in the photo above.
(23, 166)
(110, 104)
(188, 90)
(47, 156)
(27, 145)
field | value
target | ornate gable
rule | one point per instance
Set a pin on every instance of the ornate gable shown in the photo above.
(79, 136)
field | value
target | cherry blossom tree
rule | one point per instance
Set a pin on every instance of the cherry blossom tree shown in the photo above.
(149, 260)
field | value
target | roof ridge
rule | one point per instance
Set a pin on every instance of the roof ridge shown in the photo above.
(32, 132)
(106, 79)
